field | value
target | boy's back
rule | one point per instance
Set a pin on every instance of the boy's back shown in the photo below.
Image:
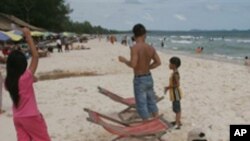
(145, 54)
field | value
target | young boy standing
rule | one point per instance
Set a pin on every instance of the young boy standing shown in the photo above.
(174, 90)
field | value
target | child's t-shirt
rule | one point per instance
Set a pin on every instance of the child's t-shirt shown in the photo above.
(27, 105)
(175, 93)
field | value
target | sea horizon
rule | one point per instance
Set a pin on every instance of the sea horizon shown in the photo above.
(229, 46)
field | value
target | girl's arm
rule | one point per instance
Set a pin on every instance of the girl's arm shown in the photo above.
(34, 61)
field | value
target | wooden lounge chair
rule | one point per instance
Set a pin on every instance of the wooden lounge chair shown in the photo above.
(130, 102)
(150, 129)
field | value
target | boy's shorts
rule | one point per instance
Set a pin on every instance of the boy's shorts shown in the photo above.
(177, 106)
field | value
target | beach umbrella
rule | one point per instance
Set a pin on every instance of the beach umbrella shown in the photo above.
(4, 36)
(68, 34)
(14, 37)
(46, 34)
(17, 32)
(37, 33)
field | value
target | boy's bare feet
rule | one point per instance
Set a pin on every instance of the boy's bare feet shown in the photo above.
(174, 123)
(177, 127)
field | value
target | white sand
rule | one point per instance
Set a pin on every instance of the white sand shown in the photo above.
(216, 94)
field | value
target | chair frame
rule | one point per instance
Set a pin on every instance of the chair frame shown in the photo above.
(154, 136)
(122, 100)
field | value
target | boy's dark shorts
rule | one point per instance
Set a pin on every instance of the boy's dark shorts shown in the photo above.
(177, 106)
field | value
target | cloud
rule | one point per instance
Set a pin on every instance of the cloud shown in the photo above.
(132, 2)
(161, 1)
(213, 7)
(180, 17)
(148, 17)
(130, 23)
(107, 16)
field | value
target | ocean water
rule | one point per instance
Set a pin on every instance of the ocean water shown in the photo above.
(230, 46)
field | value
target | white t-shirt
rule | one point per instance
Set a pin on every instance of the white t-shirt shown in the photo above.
(58, 41)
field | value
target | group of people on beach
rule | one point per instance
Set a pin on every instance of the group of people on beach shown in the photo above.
(29, 122)
(143, 59)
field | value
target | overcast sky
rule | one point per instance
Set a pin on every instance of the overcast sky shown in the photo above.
(164, 14)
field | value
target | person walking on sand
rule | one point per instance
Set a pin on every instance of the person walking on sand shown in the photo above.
(174, 90)
(59, 44)
(140, 60)
(29, 122)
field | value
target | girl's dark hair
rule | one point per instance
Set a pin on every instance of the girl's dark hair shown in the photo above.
(176, 61)
(16, 66)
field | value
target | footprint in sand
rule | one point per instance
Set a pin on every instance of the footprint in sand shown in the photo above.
(60, 121)
(81, 89)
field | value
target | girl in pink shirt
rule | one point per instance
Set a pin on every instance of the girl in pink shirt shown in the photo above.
(28, 121)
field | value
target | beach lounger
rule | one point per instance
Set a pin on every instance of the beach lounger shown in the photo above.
(130, 102)
(150, 129)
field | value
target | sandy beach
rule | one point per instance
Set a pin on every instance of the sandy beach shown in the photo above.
(217, 94)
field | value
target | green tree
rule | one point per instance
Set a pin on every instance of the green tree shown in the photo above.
(52, 15)
(49, 14)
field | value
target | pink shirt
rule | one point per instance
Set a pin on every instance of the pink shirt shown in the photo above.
(27, 105)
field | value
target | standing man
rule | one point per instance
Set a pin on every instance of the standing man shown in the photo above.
(59, 44)
(141, 56)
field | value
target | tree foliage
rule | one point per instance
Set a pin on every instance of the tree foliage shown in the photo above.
(86, 27)
(52, 15)
(49, 14)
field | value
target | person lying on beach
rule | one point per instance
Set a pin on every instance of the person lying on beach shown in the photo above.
(174, 90)
(140, 60)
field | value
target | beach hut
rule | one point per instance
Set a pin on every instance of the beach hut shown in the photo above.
(7, 22)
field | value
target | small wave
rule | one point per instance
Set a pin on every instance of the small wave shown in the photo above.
(217, 39)
(187, 37)
(243, 41)
(175, 48)
(228, 40)
(226, 57)
(181, 41)
(173, 36)
(219, 55)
